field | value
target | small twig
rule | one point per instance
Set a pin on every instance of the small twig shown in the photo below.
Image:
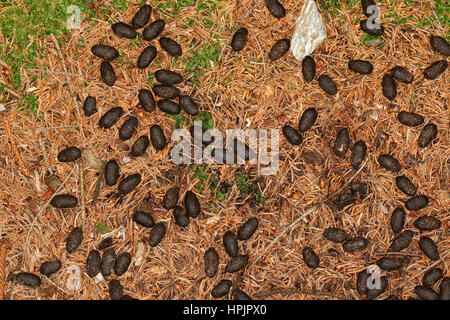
(83, 208)
(407, 254)
(11, 91)
(98, 184)
(44, 153)
(287, 291)
(328, 56)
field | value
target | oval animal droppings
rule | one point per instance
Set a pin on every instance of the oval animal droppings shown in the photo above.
(230, 242)
(129, 183)
(105, 243)
(221, 289)
(239, 39)
(247, 229)
(355, 244)
(89, 106)
(389, 162)
(108, 262)
(431, 277)
(74, 239)
(170, 199)
(111, 172)
(375, 292)
(425, 293)
(310, 257)
(140, 146)
(128, 128)
(417, 203)
(389, 86)
(435, 69)
(327, 84)
(168, 77)
(308, 68)
(342, 142)
(211, 258)
(358, 154)
(335, 234)
(93, 262)
(146, 57)
(279, 49)
(171, 46)
(191, 204)
(157, 137)
(69, 154)
(401, 74)
(292, 135)
(28, 279)
(398, 219)
(410, 119)
(123, 261)
(444, 289)
(237, 263)
(169, 106)
(360, 66)
(427, 223)
(405, 185)
(238, 294)
(124, 30)
(180, 216)
(361, 282)
(166, 91)
(115, 290)
(146, 100)
(64, 201)
(50, 267)
(402, 241)
(427, 135)
(307, 120)
(368, 28)
(390, 263)
(157, 234)
(142, 16)
(153, 30)
(188, 105)
(429, 248)
(440, 45)
(110, 117)
(105, 52)
(275, 8)
(107, 73)
(144, 219)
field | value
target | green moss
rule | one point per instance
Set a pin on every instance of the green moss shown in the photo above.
(202, 59)
(206, 119)
(102, 227)
(179, 120)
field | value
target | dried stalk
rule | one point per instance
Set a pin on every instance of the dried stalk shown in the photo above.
(98, 184)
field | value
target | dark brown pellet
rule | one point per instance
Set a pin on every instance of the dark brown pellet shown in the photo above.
(310, 257)
(115, 290)
(74, 239)
(169, 106)
(308, 68)
(157, 137)
(398, 219)
(307, 120)
(111, 172)
(417, 203)
(171, 46)
(335, 234)
(389, 163)
(342, 142)
(69, 154)
(389, 86)
(107, 73)
(275, 8)
(211, 258)
(89, 106)
(435, 69)
(166, 91)
(123, 261)
(444, 289)
(170, 199)
(64, 201)
(405, 185)
(188, 105)
(279, 49)
(427, 223)
(390, 263)
(366, 7)
(371, 29)
(239, 39)
(142, 16)
(157, 234)
(105, 52)
(247, 229)
(93, 262)
(50, 267)
(359, 152)
(180, 216)
(153, 30)
(168, 77)
(146, 100)
(429, 248)
(440, 45)
(108, 262)
(191, 204)
(425, 293)
(292, 135)
(401, 74)
(129, 183)
(221, 289)
(327, 84)
(143, 218)
(230, 243)
(431, 277)
(355, 244)
(140, 146)
(402, 241)
(28, 279)
(238, 294)
(124, 30)
(146, 57)
(427, 135)
(128, 128)
(237, 263)
(110, 117)
(410, 119)
(360, 66)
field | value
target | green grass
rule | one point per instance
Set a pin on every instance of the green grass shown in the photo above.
(102, 227)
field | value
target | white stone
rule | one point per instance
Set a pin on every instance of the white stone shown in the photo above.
(310, 31)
